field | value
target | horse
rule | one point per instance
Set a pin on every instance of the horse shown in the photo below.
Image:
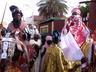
(19, 49)
(32, 44)
(13, 49)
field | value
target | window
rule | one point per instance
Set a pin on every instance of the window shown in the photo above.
(44, 29)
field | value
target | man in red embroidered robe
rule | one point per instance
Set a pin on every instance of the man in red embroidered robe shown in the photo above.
(76, 26)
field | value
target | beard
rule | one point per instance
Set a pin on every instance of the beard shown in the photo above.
(16, 23)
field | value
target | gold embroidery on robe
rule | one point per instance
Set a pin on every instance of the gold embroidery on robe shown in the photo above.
(54, 60)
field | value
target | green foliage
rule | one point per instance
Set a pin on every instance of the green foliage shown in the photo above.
(84, 10)
(52, 8)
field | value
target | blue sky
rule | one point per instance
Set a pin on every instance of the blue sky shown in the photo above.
(29, 7)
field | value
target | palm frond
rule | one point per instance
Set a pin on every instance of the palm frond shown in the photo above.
(52, 8)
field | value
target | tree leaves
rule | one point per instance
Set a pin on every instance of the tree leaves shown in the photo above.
(52, 8)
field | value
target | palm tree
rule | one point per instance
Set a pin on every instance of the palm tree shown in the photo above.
(84, 10)
(52, 8)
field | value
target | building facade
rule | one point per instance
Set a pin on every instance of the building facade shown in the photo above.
(48, 26)
(92, 15)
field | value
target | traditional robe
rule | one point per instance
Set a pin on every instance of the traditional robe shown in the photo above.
(71, 49)
(73, 36)
(78, 29)
(54, 60)
(40, 58)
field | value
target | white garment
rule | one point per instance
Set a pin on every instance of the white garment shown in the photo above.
(39, 60)
(5, 46)
(32, 30)
(37, 64)
(70, 48)
(4, 55)
(8, 44)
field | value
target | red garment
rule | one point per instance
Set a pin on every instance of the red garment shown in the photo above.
(22, 60)
(77, 28)
(31, 51)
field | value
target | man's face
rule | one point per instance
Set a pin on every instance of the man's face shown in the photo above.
(17, 20)
(17, 16)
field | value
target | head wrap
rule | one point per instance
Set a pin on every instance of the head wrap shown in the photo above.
(48, 41)
(77, 10)
(48, 38)
(15, 10)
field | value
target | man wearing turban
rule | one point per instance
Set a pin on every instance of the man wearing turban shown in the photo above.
(17, 24)
(76, 26)
(73, 37)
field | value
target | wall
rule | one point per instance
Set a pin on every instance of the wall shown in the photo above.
(47, 27)
(92, 15)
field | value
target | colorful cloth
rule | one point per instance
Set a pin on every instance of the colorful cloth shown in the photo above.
(71, 49)
(11, 27)
(31, 52)
(39, 60)
(77, 28)
(32, 30)
(77, 10)
(54, 60)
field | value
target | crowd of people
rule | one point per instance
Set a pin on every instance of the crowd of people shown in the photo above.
(22, 48)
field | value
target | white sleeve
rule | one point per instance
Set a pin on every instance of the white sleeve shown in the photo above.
(36, 31)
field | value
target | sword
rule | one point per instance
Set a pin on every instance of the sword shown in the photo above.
(1, 24)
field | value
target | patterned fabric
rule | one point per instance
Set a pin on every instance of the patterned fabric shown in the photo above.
(12, 29)
(77, 10)
(32, 30)
(31, 52)
(86, 48)
(8, 45)
(54, 60)
(77, 28)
